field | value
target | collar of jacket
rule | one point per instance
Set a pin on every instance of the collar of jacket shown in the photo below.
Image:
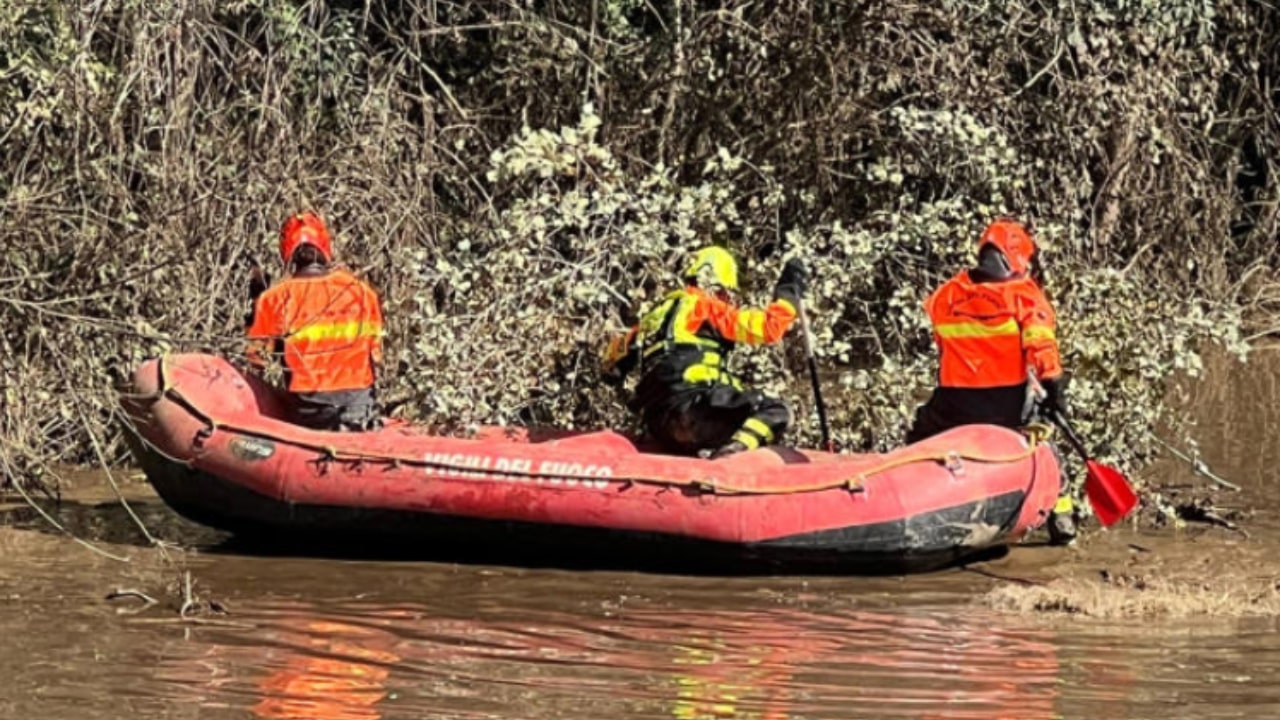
(313, 270)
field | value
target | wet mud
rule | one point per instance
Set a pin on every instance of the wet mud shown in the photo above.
(1135, 622)
(1209, 552)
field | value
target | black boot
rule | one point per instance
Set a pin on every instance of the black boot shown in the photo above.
(1062, 522)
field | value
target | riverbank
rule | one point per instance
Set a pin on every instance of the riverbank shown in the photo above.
(1213, 561)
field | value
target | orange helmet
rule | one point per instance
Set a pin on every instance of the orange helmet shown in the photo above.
(1013, 241)
(305, 229)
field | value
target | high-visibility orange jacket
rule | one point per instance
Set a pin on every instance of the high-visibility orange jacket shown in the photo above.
(328, 328)
(685, 341)
(989, 334)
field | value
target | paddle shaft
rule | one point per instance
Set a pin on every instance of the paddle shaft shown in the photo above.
(813, 377)
(1070, 432)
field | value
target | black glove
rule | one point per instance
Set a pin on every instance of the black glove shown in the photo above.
(793, 281)
(1055, 395)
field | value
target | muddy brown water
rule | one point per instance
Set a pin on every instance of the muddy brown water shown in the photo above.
(325, 639)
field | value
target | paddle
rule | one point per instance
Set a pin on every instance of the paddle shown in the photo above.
(1108, 490)
(813, 377)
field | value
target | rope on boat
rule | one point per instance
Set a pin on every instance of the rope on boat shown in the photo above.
(1036, 434)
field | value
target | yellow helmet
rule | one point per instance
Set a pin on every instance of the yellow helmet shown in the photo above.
(713, 265)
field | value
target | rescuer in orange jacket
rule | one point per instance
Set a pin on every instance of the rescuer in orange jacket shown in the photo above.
(994, 327)
(995, 330)
(690, 402)
(326, 325)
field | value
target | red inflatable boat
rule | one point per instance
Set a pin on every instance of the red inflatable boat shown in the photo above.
(210, 441)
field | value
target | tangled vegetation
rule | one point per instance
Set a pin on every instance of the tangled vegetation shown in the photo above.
(519, 178)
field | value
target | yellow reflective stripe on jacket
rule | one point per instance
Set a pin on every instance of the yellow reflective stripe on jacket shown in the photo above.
(704, 373)
(977, 329)
(1038, 332)
(677, 332)
(349, 330)
(650, 326)
(680, 332)
(750, 326)
(759, 326)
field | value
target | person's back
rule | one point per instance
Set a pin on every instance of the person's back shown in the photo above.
(994, 328)
(996, 332)
(689, 399)
(325, 324)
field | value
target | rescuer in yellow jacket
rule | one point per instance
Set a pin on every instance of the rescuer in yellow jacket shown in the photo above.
(689, 400)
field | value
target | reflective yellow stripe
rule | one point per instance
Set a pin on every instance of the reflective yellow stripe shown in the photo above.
(1039, 332)
(976, 329)
(678, 333)
(758, 427)
(747, 438)
(703, 374)
(750, 326)
(1064, 505)
(651, 324)
(349, 330)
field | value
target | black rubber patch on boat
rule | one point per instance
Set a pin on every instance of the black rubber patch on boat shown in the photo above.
(252, 449)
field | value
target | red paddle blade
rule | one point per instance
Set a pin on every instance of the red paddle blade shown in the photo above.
(1109, 493)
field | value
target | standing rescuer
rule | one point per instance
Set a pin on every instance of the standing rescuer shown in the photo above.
(326, 325)
(689, 400)
(995, 331)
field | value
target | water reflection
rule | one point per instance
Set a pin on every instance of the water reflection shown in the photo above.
(331, 671)
(470, 642)
(366, 663)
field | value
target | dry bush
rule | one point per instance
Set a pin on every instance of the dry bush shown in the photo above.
(519, 179)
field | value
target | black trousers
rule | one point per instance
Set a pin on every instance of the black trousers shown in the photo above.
(947, 408)
(707, 418)
(344, 410)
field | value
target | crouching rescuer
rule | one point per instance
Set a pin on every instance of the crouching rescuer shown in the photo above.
(325, 324)
(689, 400)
